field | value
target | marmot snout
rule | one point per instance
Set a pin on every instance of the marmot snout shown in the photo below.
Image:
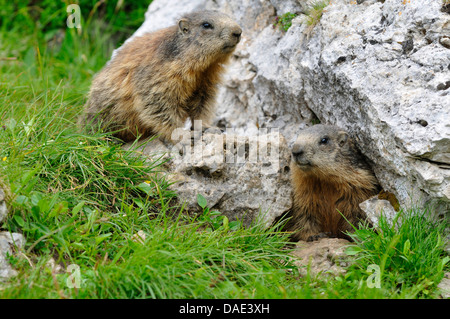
(330, 177)
(157, 81)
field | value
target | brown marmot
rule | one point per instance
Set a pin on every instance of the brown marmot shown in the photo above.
(330, 177)
(157, 81)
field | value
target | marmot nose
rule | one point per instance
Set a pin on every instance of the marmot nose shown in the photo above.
(237, 34)
(296, 153)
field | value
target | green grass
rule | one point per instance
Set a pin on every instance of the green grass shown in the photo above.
(81, 199)
(408, 253)
(314, 13)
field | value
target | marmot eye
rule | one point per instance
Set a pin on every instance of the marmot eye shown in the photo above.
(207, 25)
(324, 140)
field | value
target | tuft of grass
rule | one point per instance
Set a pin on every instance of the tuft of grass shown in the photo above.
(314, 13)
(408, 254)
(182, 261)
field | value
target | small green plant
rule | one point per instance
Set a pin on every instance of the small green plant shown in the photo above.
(214, 218)
(284, 22)
(314, 14)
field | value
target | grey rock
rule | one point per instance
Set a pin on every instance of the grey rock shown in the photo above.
(9, 243)
(375, 208)
(11, 240)
(444, 286)
(243, 177)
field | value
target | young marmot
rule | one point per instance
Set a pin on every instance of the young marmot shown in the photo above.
(330, 177)
(157, 81)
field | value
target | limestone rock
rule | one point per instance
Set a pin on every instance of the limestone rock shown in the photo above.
(8, 245)
(379, 69)
(244, 177)
(444, 286)
(325, 256)
(375, 208)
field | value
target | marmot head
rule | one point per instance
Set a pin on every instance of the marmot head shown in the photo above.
(326, 151)
(209, 33)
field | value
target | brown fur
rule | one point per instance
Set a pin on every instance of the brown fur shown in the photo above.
(328, 179)
(159, 80)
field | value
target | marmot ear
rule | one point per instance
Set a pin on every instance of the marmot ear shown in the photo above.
(342, 138)
(183, 24)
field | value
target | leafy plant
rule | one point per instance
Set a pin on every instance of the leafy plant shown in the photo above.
(214, 218)
(284, 22)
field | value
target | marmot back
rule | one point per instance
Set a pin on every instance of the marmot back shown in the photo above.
(157, 81)
(330, 177)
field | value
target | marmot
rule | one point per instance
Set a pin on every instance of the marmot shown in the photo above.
(157, 81)
(330, 177)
